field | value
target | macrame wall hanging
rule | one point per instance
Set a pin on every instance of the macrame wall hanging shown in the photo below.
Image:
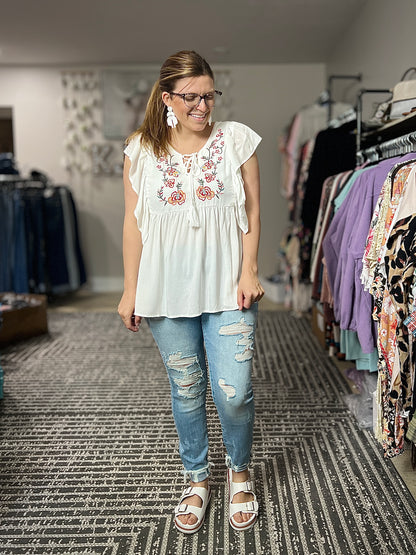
(102, 108)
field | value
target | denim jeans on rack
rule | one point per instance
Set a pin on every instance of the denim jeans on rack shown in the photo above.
(19, 264)
(57, 264)
(77, 243)
(228, 338)
(6, 239)
(35, 238)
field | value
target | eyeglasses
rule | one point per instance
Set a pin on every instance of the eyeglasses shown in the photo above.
(192, 100)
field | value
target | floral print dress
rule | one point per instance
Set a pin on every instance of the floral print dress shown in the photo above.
(390, 275)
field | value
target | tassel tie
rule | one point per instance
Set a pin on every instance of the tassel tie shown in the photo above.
(193, 172)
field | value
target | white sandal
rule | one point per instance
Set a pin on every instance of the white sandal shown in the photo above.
(249, 507)
(185, 509)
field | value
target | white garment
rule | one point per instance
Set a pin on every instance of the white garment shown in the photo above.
(191, 212)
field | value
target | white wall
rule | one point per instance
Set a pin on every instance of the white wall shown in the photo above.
(380, 44)
(264, 97)
(34, 94)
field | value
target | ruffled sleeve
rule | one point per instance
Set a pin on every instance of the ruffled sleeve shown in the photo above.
(137, 156)
(245, 142)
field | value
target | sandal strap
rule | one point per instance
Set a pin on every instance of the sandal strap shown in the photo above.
(238, 487)
(249, 507)
(184, 508)
(203, 493)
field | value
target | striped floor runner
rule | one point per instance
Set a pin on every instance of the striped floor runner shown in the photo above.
(89, 462)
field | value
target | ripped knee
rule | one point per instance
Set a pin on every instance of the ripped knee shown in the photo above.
(246, 338)
(187, 374)
(229, 390)
(238, 397)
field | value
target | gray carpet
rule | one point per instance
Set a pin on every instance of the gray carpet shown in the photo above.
(89, 460)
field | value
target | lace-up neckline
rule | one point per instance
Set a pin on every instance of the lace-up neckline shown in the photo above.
(187, 162)
(187, 157)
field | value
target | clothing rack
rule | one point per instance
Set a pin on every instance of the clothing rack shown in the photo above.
(40, 250)
(346, 117)
(331, 79)
(394, 147)
(20, 182)
(35, 178)
(360, 95)
(10, 178)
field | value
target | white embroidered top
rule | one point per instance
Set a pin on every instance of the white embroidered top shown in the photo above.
(191, 212)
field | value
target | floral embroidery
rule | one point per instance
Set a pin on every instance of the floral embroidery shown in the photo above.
(178, 197)
(169, 179)
(208, 165)
(171, 171)
(209, 169)
(213, 156)
(205, 193)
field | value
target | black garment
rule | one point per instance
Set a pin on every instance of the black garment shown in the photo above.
(333, 153)
(7, 164)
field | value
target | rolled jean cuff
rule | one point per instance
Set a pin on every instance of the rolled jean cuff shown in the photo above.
(198, 475)
(235, 467)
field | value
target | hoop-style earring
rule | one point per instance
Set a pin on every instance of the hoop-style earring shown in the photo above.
(171, 119)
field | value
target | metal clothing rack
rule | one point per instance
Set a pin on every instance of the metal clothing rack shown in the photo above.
(360, 95)
(387, 149)
(331, 79)
(22, 184)
(392, 139)
(17, 181)
(9, 177)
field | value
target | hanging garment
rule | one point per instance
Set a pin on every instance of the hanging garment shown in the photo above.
(384, 215)
(343, 248)
(305, 125)
(388, 272)
(334, 152)
(396, 365)
(39, 240)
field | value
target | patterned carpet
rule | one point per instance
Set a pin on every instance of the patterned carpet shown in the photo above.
(89, 460)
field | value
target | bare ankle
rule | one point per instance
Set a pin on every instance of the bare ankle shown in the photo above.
(203, 484)
(242, 476)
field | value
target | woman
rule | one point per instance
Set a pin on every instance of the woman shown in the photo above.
(190, 242)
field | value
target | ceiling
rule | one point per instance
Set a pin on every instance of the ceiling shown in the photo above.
(89, 32)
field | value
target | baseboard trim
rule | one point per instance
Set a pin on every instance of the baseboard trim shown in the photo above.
(105, 284)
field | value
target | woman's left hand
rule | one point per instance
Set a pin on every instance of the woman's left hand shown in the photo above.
(249, 289)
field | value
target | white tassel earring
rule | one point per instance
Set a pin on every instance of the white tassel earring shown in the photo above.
(171, 119)
(210, 119)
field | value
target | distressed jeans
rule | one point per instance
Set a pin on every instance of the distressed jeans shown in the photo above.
(227, 340)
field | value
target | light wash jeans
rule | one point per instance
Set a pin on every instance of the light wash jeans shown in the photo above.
(228, 338)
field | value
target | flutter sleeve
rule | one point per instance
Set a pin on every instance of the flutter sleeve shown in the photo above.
(137, 155)
(244, 144)
(246, 141)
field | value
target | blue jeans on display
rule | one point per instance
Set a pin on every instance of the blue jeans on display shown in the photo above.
(35, 239)
(227, 339)
(57, 265)
(6, 240)
(19, 265)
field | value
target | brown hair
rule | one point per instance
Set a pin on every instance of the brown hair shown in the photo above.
(154, 132)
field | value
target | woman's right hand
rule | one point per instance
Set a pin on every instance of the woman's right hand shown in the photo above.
(126, 312)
